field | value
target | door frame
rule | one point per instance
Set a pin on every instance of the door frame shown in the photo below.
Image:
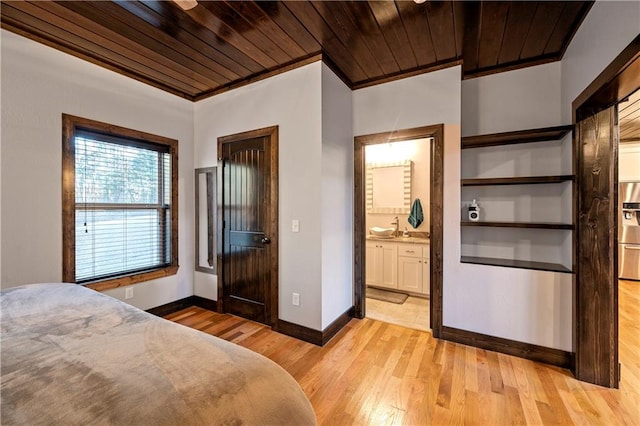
(595, 344)
(272, 225)
(435, 211)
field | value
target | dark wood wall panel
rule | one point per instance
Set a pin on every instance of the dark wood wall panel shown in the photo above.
(596, 307)
(219, 45)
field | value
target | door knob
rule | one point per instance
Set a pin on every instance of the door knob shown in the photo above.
(265, 240)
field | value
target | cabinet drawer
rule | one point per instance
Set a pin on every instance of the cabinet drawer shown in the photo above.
(409, 250)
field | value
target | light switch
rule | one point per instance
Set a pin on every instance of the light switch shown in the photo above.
(295, 225)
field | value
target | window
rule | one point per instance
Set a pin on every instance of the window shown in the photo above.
(119, 204)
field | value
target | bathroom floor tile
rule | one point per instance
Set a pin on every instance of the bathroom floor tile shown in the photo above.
(413, 313)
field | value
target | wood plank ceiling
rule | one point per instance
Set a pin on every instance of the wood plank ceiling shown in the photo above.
(220, 45)
(629, 118)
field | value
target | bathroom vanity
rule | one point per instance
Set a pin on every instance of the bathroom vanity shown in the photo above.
(399, 263)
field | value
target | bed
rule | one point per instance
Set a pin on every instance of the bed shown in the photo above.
(73, 356)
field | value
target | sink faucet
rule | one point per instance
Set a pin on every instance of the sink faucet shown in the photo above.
(396, 222)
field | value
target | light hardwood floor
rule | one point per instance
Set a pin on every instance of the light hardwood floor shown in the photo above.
(374, 373)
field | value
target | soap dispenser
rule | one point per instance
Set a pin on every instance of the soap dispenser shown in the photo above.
(474, 211)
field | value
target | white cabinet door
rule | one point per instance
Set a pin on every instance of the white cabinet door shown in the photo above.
(410, 272)
(426, 270)
(381, 264)
(426, 276)
(372, 276)
(389, 262)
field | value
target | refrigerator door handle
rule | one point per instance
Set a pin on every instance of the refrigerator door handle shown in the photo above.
(632, 248)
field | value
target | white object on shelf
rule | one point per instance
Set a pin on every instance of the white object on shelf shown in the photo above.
(474, 211)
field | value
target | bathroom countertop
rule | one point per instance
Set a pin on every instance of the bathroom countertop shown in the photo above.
(410, 240)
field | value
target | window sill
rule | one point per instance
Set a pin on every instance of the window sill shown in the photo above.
(132, 279)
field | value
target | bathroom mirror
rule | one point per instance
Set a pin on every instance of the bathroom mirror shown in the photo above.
(389, 187)
(205, 185)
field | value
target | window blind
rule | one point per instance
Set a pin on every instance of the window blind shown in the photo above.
(122, 206)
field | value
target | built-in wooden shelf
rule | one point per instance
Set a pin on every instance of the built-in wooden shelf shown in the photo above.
(539, 225)
(513, 263)
(525, 180)
(557, 134)
(521, 136)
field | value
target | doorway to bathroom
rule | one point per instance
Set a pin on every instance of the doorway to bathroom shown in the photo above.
(398, 227)
(397, 240)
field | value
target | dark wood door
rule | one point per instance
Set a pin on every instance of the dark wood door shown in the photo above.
(249, 272)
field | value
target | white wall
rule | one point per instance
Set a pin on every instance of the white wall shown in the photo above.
(39, 84)
(425, 99)
(526, 98)
(292, 101)
(337, 198)
(608, 28)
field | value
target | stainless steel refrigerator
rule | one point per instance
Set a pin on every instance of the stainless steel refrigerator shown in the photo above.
(629, 231)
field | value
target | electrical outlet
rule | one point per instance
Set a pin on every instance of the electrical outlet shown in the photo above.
(295, 299)
(128, 293)
(295, 225)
